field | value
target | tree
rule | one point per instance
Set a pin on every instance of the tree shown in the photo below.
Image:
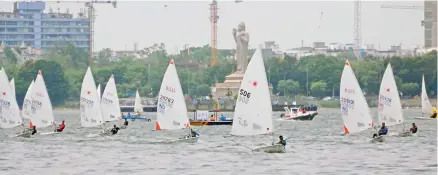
(410, 89)
(318, 88)
(57, 85)
(288, 87)
(203, 90)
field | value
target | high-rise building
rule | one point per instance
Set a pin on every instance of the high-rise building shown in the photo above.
(29, 24)
(430, 24)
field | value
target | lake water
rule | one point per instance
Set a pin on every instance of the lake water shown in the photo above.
(315, 147)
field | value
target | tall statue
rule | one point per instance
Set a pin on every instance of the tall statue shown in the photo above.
(241, 37)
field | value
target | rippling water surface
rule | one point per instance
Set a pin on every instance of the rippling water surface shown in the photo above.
(315, 147)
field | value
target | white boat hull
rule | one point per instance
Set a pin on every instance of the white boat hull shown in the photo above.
(50, 133)
(182, 140)
(378, 139)
(405, 134)
(24, 134)
(277, 148)
(424, 118)
(123, 127)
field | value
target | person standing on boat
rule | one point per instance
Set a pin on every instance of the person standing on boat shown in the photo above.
(115, 129)
(414, 128)
(61, 127)
(283, 142)
(123, 116)
(383, 131)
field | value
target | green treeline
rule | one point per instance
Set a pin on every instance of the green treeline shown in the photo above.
(64, 67)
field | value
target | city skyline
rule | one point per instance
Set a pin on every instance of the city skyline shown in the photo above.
(287, 23)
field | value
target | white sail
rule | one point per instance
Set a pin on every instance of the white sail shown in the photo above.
(138, 107)
(172, 109)
(98, 91)
(390, 109)
(9, 110)
(253, 113)
(426, 106)
(354, 108)
(91, 112)
(12, 84)
(110, 101)
(27, 102)
(41, 107)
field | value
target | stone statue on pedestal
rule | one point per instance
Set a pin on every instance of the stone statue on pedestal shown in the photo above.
(241, 37)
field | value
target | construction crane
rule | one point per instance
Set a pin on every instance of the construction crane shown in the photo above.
(357, 28)
(91, 18)
(213, 20)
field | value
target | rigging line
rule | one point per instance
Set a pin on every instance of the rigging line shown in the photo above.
(240, 144)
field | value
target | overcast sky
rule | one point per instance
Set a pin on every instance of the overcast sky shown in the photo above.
(286, 22)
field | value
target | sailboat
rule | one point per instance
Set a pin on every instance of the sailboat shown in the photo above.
(98, 91)
(12, 84)
(426, 106)
(253, 113)
(41, 107)
(390, 108)
(138, 107)
(172, 109)
(91, 111)
(354, 107)
(9, 110)
(110, 102)
(26, 109)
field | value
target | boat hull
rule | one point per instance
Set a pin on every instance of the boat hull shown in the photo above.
(181, 140)
(424, 118)
(277, 148)
(24, 134)
(405, 134)
(307, 117)
(134, 117)
(378, 139)
(50, 133)
(210, 123)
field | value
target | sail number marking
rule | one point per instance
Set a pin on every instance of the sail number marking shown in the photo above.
(244, 96)
(167, 101)
(243, 123)
(346, 104)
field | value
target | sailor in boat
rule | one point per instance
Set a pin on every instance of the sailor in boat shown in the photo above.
(61, 127)
(34, 131)
(433, 115)
(382, 131)
(123, 116)
(212, 118)
(223, 117)
(193, 133)
(282, 141)
(414, 128)
(115, 129)
(125, 123)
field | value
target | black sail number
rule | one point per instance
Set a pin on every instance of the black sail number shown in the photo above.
(242, 122)
(244, 96)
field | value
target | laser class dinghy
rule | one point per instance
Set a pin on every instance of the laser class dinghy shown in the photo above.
(110, 104)
(171, 108)
(426, 107)
(41, 114)
(253, 113)
(354, 108)
(390, 108)
(90, 110)
(9, 110)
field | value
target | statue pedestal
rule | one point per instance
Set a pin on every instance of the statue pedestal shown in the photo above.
(230, 85)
